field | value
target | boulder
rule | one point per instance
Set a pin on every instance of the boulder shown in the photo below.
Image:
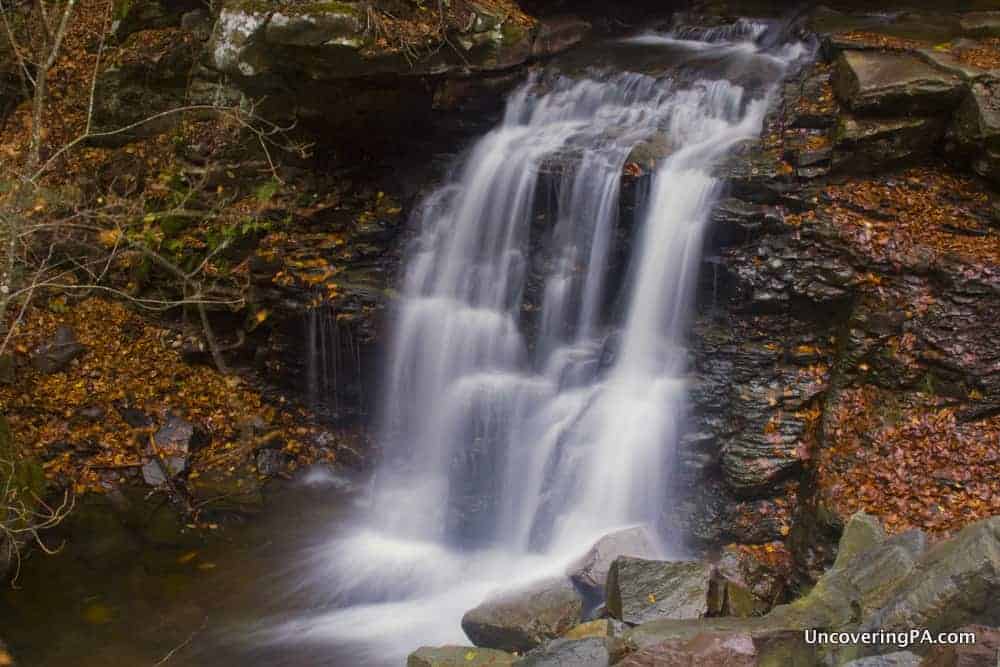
(984, 653)
(856, 586)
(56, 355)
(954, 584)
(642, 590)
(458, 656)
(872, 144)
(862, 533)
(590, 572)
(522, 619)
(981, 24)
(702, 650)
(976, 127)
(889, 83)
(558, 34)
(747, 586)
(592, 652)
(172, 445)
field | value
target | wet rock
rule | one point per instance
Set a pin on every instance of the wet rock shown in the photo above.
(273, 462)
(558, 34)
(57, 354)
(522, 619)
(955, 583)
(173, 445)
(592, 652)
(889, 83)
(871, 144)
(976, 127)
(458, 656)
(772, 642)
(644, 590)
(748, 587)
(981, 24)
(983, 653)
(730, 650)
(590, 572)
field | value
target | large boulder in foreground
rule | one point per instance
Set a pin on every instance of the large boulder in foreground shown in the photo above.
(590, 572)
(895, 84)
(522, 619)
(642, 590)
(458, 656)
(956, 583)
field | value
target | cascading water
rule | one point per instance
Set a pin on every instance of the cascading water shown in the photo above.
(506, 454)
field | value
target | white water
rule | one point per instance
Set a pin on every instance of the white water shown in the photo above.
(506, 455)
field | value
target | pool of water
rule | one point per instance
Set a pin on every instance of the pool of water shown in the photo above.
(136, 587)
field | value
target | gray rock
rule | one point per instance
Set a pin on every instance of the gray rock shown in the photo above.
(704, 650)
(522, 619)
(57, 354)
(862, 532)
(592, 652)
(272, 462)
(976, 127)
(893, 84)
(981, 24)
(458, 656)
(644, 590)
(955, 583)
(173, 444)
(558, 34)
(590, 572)
(872, 144)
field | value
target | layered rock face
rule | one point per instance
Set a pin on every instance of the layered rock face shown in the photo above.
(845, 349)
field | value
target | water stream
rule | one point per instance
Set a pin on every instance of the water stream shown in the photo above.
(534, 396)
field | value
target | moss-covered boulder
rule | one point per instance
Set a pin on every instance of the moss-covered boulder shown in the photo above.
(954, 584)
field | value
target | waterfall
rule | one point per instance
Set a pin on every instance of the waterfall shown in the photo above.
(533, 401)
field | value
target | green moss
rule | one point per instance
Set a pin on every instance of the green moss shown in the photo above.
(512, 33)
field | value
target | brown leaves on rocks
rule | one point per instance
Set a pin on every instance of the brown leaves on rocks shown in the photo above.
(911, 218)
(907, 459)
(77, 421)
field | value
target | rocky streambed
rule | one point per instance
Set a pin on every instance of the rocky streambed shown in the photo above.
(654, 612)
